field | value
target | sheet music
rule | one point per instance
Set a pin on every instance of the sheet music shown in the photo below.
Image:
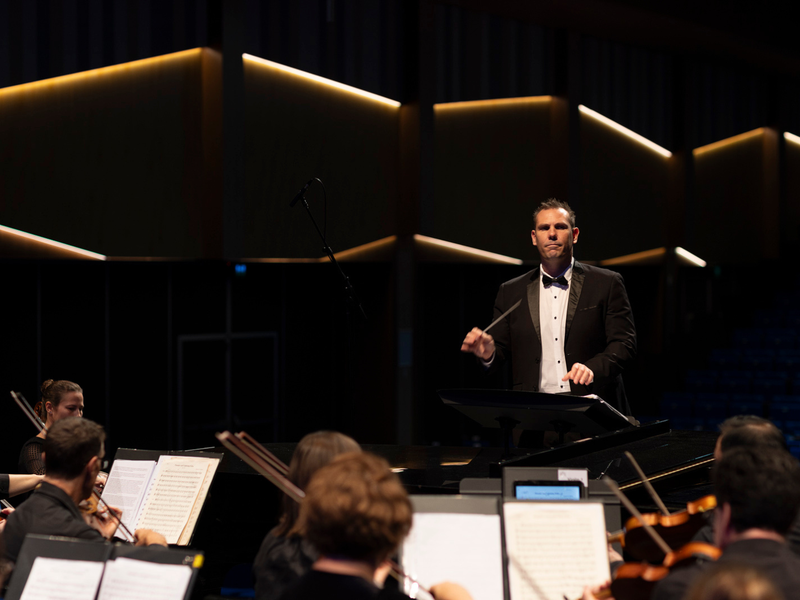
(128, 579)
(125, 489)
(554, 549)
(59, 579)
(171, 499)
(465, 548)
(186, 536)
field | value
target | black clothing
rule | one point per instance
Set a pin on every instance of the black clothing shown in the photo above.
(599, 332)
(49, 511)
(774, 559)
(706, 533)
(316, 585)
(4, 484)
(30, 457)
(281, 561)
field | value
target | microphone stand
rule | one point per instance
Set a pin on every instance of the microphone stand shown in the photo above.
(342, 423)
(352, 297)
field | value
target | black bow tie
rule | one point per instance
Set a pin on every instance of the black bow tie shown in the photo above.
(549, 280)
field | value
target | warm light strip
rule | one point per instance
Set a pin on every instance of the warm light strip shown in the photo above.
(496, 102)
(695, 260)
(53, 243)
(363, 248)
(467, 250)
(790, 137)
(343, 255)
(624, 130)
(635, 257)
(323, 80)
(727, 141)
(26, 87)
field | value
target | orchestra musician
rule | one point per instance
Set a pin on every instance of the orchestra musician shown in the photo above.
(758, 495)
(749, 431)
(13, 485)
(73, 455)
(60, 399)
(285, 555)
(733, 581)
(573, 332)
(356, 513)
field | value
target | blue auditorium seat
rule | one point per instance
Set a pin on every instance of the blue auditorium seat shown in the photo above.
(747, 338)
(725, 358)
(746, 404)
(784, 408)
(713, 408)
(677, 405)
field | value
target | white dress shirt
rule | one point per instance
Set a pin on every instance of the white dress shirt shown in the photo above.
(553, 301)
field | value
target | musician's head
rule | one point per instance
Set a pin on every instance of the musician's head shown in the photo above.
(758, 490)
(356, 508)
(748, 430)
(60, 399)
(314, 451)
(73, 450)
(732, 580)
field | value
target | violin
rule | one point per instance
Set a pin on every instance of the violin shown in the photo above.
(637, 580)
(677, 529)
(94, 510)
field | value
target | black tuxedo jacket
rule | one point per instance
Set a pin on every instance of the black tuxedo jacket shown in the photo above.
(599, 331)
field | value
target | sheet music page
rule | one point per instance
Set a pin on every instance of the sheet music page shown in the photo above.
(128, 579)
(59, 579)
(186, 536)
(171, 499)
(464, 548)
(554, 549)
(126, 488)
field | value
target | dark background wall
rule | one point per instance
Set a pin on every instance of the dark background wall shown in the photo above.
(182, 168)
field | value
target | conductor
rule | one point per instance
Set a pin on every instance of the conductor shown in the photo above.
(573, 331)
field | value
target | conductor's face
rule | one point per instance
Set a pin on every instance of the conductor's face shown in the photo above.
(553, 235)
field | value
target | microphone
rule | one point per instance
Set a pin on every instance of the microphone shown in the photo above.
(301, 193)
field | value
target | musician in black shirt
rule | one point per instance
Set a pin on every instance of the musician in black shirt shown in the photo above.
(356, 513)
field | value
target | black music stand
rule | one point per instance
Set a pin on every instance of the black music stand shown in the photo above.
(505, 409)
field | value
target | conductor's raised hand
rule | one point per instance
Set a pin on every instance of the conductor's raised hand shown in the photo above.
(580, 374)
(478, 342)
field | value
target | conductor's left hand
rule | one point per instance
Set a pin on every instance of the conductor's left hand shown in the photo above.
(580, 374)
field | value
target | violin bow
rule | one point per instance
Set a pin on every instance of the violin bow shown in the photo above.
(39, 424)
(29, 412)
(401, 575)
(258, 458)
(265, 454)
(612, 485)
(647, 485)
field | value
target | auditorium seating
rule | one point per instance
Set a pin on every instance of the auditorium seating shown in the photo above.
(757, 373)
